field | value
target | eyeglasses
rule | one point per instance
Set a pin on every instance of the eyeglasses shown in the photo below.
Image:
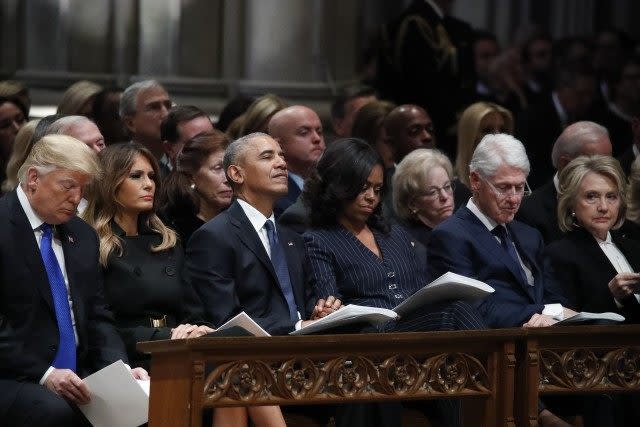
(506, 190)
(433, 193)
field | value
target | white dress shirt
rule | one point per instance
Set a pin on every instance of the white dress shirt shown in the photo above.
(258, 220)
(616, 258)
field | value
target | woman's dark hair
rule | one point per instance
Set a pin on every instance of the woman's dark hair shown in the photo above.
(177, 196)
(340, 176)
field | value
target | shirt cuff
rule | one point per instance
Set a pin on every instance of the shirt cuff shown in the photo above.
(554, 310)
(298, 325)
(46, 375)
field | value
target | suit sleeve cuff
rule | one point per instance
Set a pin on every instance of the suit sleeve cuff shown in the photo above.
(554, 310)
(46, 375)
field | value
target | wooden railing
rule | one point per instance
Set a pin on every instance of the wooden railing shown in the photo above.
(504, 369)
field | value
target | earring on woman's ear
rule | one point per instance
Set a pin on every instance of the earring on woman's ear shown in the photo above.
(192, 186)
(573, 214)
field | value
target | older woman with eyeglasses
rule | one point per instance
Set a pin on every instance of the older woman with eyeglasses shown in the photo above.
(423, 191)
(597, 266)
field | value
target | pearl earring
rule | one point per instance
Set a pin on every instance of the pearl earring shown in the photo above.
(192, 186)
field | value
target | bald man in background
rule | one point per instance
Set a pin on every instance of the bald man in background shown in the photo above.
(298, 130)
(540, 210)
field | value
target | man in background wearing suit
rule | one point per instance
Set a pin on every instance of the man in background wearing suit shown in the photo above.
(298, 130)
(482, 240)
(239, 261)
(540, 210)
(54, 327)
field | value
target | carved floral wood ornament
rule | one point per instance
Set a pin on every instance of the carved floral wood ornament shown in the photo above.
(590, 369)
(352, 377)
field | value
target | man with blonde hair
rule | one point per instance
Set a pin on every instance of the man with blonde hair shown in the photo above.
(54, 326)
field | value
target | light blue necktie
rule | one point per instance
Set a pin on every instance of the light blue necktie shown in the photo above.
(509, 246)
(282, 270)
(66, 354)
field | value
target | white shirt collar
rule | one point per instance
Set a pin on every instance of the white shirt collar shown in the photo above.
(297, 179)
(488, 222)
(605, 241)
(256, 218)
(32, 216)
(435, 8)
(636, 151)
(562, 114)
(556, 182)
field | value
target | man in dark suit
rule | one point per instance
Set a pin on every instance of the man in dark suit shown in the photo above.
(54, 327)
(482, 240)
(540, 124)
(238, 261)
(540, 210)
(298, 130)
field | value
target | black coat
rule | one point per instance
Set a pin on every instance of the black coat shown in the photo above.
(584, 271)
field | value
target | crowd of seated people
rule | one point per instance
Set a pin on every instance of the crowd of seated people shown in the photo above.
(263, 212)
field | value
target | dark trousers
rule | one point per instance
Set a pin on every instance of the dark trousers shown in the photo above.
(35, 405)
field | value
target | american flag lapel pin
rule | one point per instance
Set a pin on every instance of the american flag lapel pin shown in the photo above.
(71, 240)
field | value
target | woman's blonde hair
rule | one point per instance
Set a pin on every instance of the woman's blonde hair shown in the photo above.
(633, 193)
(21, 148)
(76, 97)
(469, 129)
(257, 116)
(117, 160)
(570, 179)
(410, 177)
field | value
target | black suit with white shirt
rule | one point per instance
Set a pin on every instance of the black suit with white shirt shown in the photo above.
(29, 334)
(230, 270)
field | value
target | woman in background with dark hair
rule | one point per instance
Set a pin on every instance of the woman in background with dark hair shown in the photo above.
(197, 191)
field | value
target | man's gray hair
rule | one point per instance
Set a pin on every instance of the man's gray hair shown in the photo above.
(572, 140)
(495, 150)
(235, 151)
(61, 152)
(62, 125)
(130, 94)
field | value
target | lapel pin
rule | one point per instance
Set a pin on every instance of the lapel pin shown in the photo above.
(71, 239)
(290, 243)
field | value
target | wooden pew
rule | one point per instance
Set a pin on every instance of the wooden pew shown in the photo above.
(189, 375)
(575, 360)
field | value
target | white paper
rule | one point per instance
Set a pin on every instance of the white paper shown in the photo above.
(449, 286)
(585, 316)
(243, 320)
(346, 315)
(116, 398)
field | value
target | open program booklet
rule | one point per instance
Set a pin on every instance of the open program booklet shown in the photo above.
(448, 287)
(586, 317)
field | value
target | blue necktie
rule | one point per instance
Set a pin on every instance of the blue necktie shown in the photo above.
(507, 244)
(282, 271)
(66, 355)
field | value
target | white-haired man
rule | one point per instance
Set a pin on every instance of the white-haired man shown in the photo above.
(482, 240)
(540, 210)
(80, 128)
(54, 327)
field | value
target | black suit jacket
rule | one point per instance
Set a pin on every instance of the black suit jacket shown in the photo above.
(540, 211)
(231, 272)
(28, 327)
(626, 160)
(538, 127)
(462, 244)
(584, 271)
